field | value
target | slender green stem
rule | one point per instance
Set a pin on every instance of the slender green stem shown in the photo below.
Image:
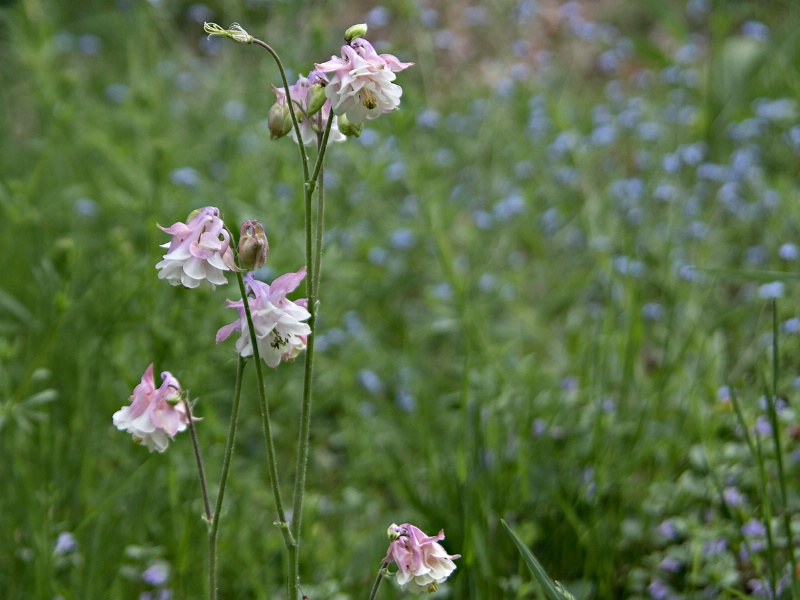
(377, 583)
(314, 262)
(766, 504)
(305, 417)
(321, 147)
(776, 438)
(754, 443)
(289, 103)
(322, 141)
(273, 471)
(201, 471)
(213, 534)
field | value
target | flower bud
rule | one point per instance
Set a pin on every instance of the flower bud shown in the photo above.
(279, 120)
(349, 129)
(355, 31)
(253, 245)
(315, 99)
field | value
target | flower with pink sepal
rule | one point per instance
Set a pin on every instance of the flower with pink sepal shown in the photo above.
(361, 86)
(422, 563)
(278, 321)
(154, 415)
(199, 251)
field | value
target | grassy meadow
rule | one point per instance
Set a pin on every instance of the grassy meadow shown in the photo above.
(558, 289)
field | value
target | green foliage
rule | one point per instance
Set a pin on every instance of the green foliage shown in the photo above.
(537, 284)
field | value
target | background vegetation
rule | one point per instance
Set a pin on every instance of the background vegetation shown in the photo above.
(543, 296)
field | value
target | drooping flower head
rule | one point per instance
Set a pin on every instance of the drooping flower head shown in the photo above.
(199, 251)
(278, 321)
(154, 415)
(422, 563)
(305, 95)
(361, 85)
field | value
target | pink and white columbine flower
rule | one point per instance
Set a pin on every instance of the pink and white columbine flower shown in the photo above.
(199, 251)
(154, 415)
(278, 321)
(361, 87)
(299, 93)
(422, 563)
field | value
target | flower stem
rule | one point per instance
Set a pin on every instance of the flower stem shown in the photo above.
(312, 288)
(273, 471)
(213, 534)
(319, 174)
(200, 470)
(378, 579)
(289, 103)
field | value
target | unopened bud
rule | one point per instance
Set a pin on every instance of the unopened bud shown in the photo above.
(355, 31)
(279, 120)
(315, 99)
(253, 245)
(349, 129)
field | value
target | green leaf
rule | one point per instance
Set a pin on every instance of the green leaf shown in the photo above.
(550, 587)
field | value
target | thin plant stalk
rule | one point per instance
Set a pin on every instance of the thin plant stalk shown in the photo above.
(754, 443)
(312, 289)
(776, 438)
(295, 123)
(200, 469)
(213, 533)
(374, 591)
(262, 395)
(291, 538)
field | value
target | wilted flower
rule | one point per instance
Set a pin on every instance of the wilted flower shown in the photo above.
(421, 561)
(305, 98)
(154, 415)
(199, 251)
(361, 86)
(278, 321)
(236, 32)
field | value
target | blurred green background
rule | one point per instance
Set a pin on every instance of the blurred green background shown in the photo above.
(540, 275)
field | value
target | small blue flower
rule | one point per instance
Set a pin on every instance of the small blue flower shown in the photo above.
(772, 290)
(733, 497)
(653, 311)
(156, 574)
(791, 325)
(789, 251)
(756, 30)
(65, 544)
(370, 381)
(754, 529)
(670, 564)
(185, 176)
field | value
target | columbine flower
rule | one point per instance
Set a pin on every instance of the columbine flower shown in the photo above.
(278, 321)
(154, 415)
(199, 251)
(421, 561)
(304, 98)
(361, 86)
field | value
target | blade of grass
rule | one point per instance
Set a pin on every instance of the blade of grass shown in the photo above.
(549, 586)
